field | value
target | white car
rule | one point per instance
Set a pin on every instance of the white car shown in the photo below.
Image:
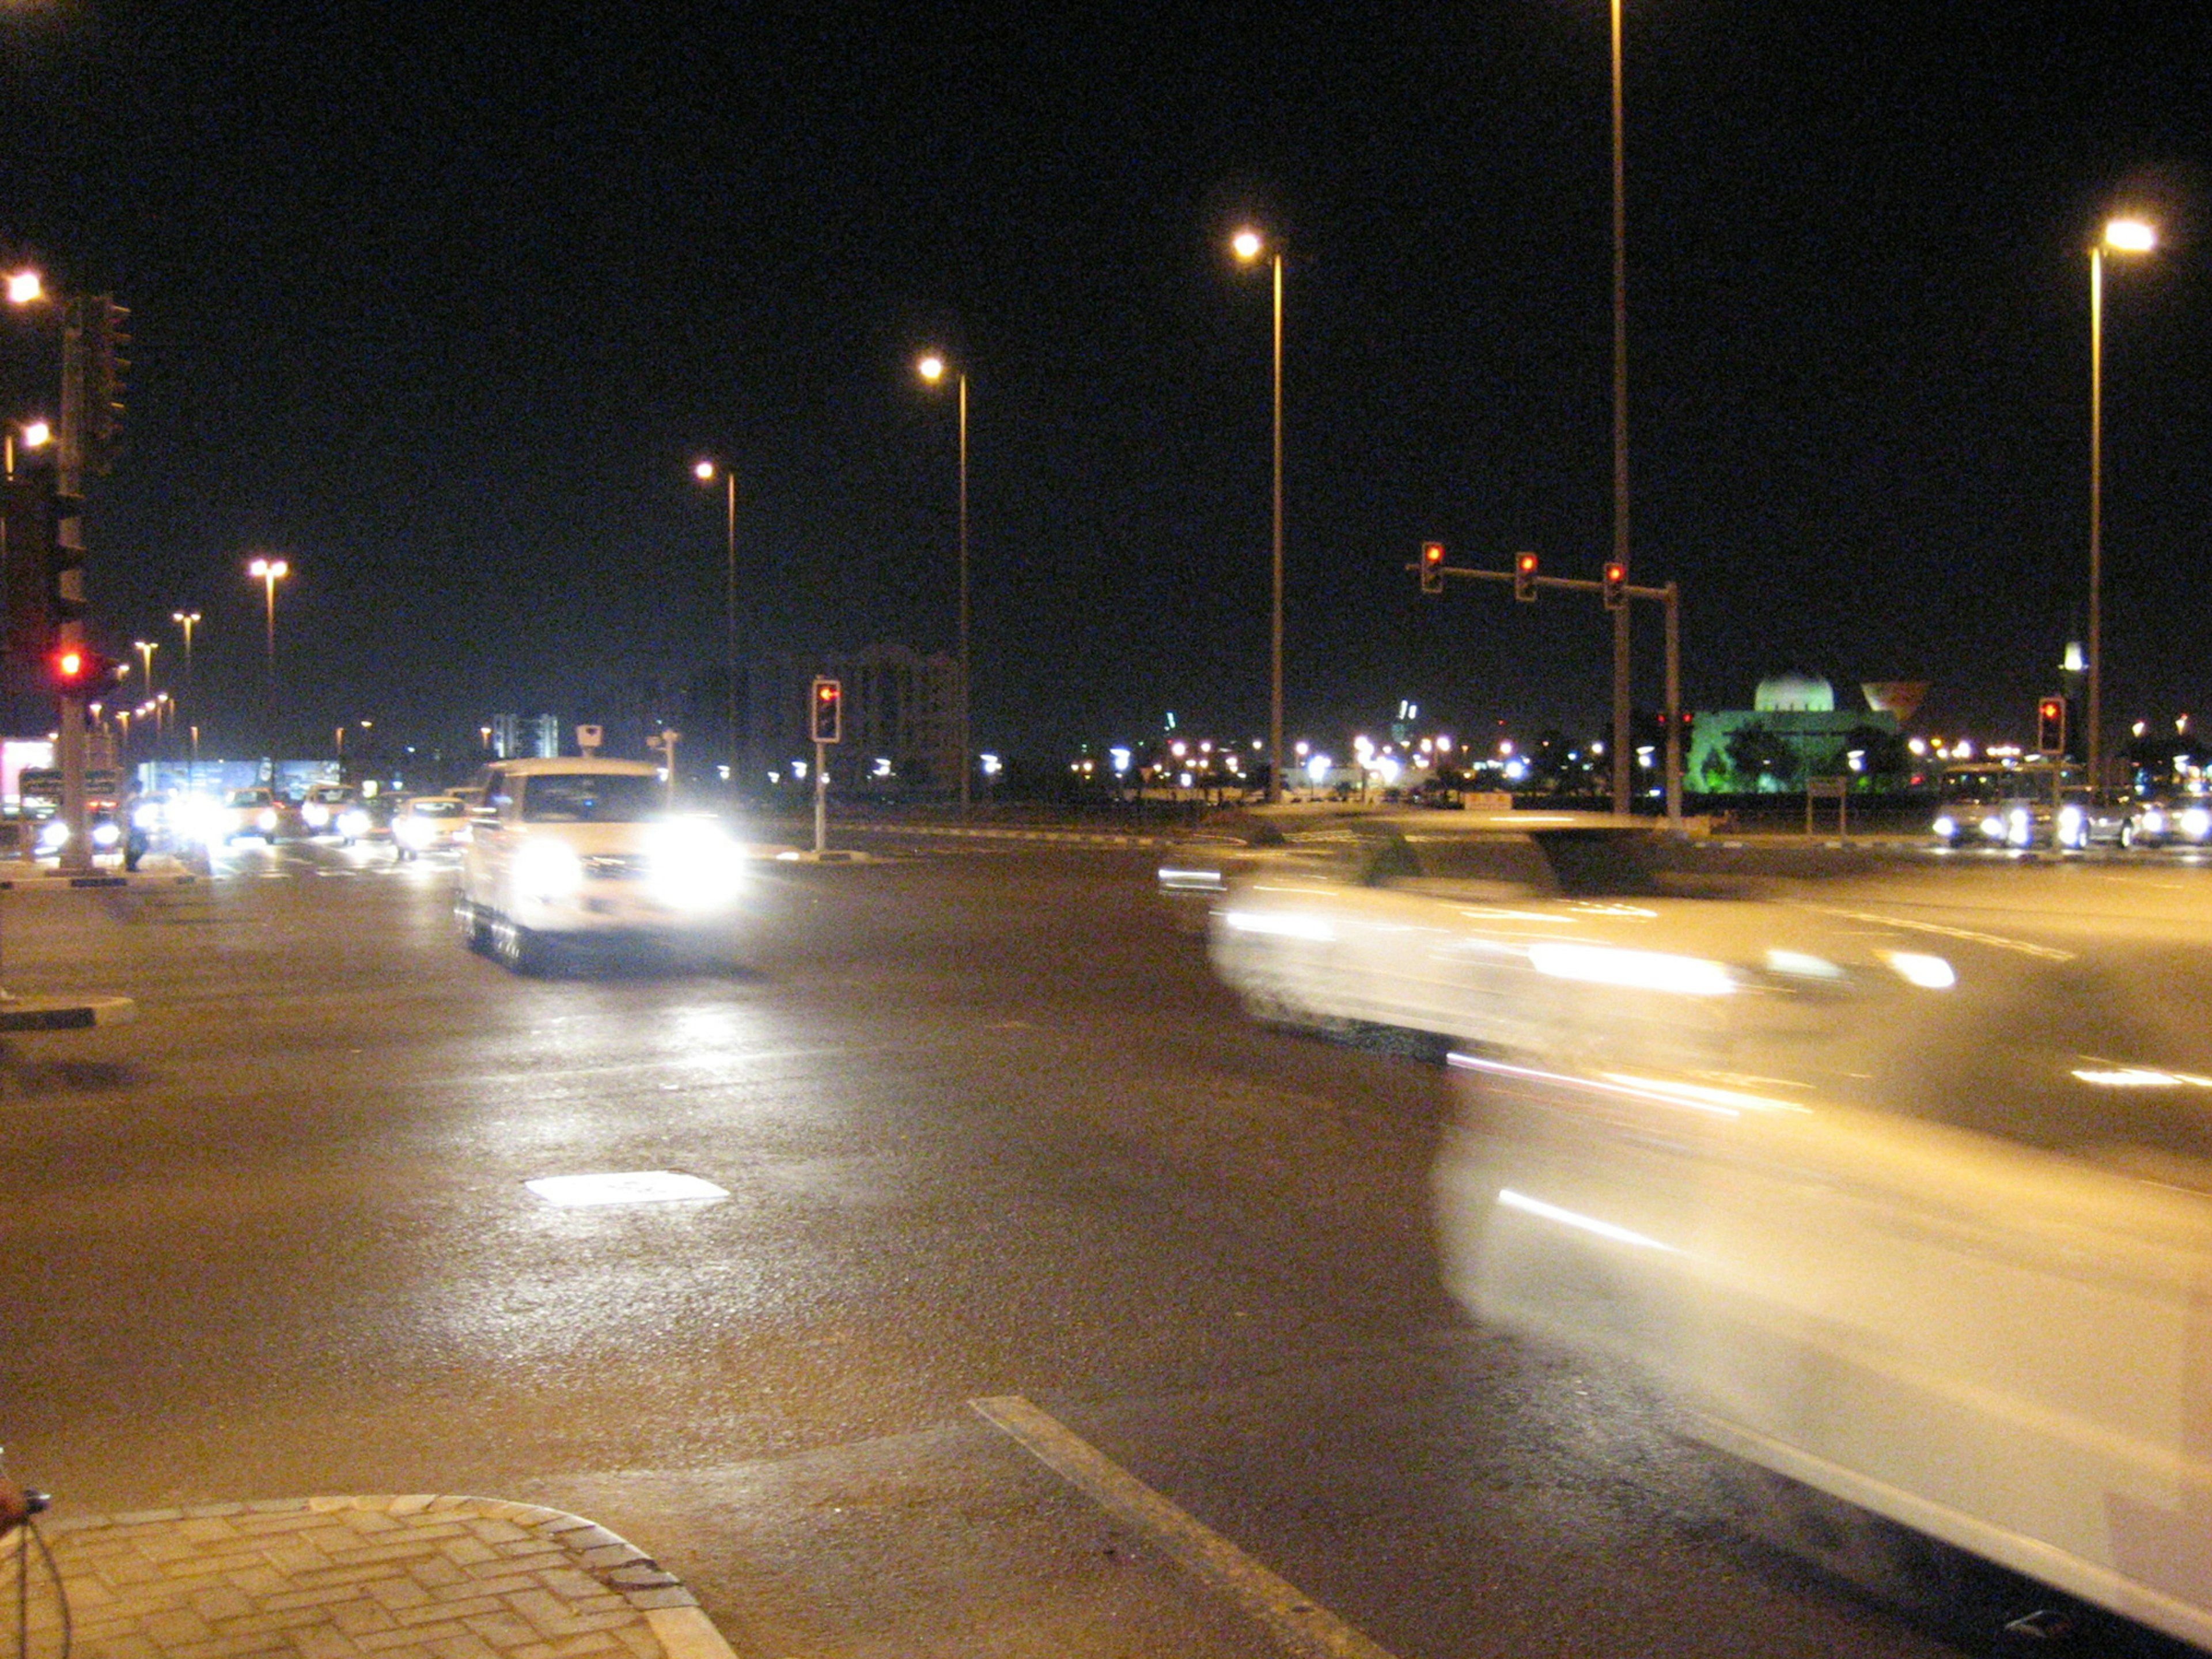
(1903, 1190)
(573, 850)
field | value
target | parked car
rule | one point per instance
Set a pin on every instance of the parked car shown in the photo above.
(572, 851)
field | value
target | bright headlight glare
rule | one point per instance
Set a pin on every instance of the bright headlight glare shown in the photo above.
(548, 869)
(2195, 822)
(692, 865)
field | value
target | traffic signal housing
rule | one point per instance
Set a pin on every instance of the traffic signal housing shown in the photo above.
(2051, 726)
(828, 711)
(1614, 585)
(1524, 577)
(79, 671)
(106, 338)
(1432, 567)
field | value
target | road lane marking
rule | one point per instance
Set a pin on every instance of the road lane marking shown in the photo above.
(1299, 1623)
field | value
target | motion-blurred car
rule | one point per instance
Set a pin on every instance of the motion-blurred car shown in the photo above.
(2074, 820)
(1905, 1191)
(2158, 822)
(570, 851)
(334, 810)
(429, 824)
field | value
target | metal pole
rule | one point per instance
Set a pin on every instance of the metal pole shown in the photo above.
(1674, 709)
(1621, 755)
(967, 749)
(1275, 638)
(2096, 711)
(730, 624)
(821, 794)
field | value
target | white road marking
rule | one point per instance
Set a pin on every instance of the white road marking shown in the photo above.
(1296, 1621)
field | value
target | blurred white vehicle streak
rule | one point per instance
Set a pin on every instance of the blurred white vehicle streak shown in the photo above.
(1903, 1187)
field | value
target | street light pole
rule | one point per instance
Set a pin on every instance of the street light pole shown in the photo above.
(1248, 246)
(1622, 743)
(704, 472)
(931, 369)
(2120, 236)
(270, 572)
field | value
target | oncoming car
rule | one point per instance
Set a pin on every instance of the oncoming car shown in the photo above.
(568, 850)
(334, 809)
(429, 824)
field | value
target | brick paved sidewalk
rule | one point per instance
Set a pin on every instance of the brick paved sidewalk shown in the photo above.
(415, 1577)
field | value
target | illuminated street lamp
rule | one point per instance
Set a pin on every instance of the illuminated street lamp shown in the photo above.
(2121, 236)
(705, 472)
(1250, 246)
(36, 435)
(145, 648)
(932, 368)
(269, 572)
(24, 286)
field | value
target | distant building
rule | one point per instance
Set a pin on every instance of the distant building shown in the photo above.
(900, 717)
(1794, 726)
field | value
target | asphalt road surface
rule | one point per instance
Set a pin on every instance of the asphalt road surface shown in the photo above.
(988, 1132)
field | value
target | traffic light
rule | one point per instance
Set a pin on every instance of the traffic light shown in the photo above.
(1614, 588)
(828, 711)
(1524, 576)
(1432, 567)
(106, 340)
(79, 671)
(2051, 726)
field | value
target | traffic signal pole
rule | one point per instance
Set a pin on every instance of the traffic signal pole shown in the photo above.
(1524, 577)
(69, 561)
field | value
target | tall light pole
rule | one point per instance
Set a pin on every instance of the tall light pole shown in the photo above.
(1249, 247)
(931, 368)
(705, 471)
(187, 620)
(270, 572)
(2121, 236)
(1621, 741)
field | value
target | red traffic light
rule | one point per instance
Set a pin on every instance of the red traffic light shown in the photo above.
(1614, 588)
(827, 711)
(77, 671)
(1432, 567)
(2051, 726)
(1524, 576)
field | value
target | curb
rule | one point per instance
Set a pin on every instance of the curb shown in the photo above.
(656, 1596)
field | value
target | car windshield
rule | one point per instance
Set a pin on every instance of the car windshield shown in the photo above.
(591, 798)
(436, 808)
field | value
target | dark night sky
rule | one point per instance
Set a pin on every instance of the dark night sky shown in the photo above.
(439, 303)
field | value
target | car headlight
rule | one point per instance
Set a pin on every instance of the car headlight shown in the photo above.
(316, 814)
(2071, 820)
(548, 869)
(2197, 822)
(1945, 825)
(265, 820)
(147, 816)
(2153, 822)
(2020, 828)
(1993, 827)
(52, 834)
(412, 832)
(106, 833)
(692, 866)
(353, 821)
